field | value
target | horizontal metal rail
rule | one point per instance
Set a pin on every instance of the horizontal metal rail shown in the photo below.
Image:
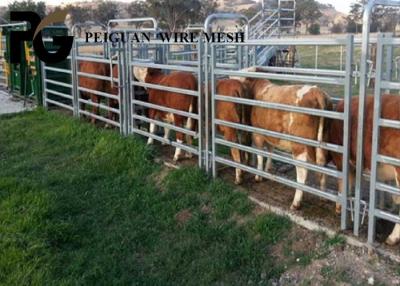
(284, 77)
(388, 189)
(166, 88)
(99, 105)
(98, 117)
(96, 76)
(389, 123)
(58, 83)
(95, 60)
(288, 42)
(59, 104)
(99, 93)
(47, 68)
(279, 179)
(164, 67)
(388, 160)
(165, 125)
(284, 159)
(166, 141)
(287, 137)
(61, 94)
(282, 107)
(387, 216)
(318, 72)
(165, 109)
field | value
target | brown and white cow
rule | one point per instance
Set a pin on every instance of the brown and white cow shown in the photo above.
(187, 103)
(290, 123)
(389, 143)
(235, 113)
(94, 68)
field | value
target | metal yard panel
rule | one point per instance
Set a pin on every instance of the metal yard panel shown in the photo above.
(385, 83)
(99, 92)
(332, 77)
(142, 124)
(58, 85)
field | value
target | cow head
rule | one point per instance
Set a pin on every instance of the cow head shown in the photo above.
(140, 73)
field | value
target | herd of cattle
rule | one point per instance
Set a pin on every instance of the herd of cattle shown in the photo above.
(290, 123)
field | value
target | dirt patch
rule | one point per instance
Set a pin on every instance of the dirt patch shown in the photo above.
(183, 216)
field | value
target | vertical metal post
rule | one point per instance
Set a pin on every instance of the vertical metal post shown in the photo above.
(316, 56)
(361, 112)
(200, 107)
(74, 80)
(279, 18)
(341, 58)
(121, 88)
(346, 128)
(389, 61)
(132, 92)
(213, 103)
(207, 105)
(375, 142)
(44, 95)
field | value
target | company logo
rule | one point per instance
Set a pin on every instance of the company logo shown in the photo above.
(34, 34)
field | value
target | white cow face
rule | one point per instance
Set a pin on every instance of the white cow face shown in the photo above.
(140, 73)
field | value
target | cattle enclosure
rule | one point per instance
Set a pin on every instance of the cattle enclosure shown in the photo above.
(120, 101)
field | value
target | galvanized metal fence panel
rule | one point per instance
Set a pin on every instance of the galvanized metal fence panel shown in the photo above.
(58, 85)
(173, 60)
(103, 105)
(384, 84)
(340, 78)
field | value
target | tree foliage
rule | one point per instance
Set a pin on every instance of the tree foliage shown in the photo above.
(27, 5)
(384, 19)
(177, 14)
(106, 10)
(314, 29)
(307, 11)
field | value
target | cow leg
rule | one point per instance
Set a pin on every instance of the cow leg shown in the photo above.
(340, 184)
(152, 128)
(394, 237)
(166, 135)
(268, 166)
(189, 139)
(152, 131)
(301, 174)
(258, 141)
(231, 136)
(95, 109)
(179, 138)
(260, 165)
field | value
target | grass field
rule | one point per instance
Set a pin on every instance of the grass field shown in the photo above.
(82, 206)
(79, 205)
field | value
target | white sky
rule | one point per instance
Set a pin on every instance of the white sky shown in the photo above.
(340, 5)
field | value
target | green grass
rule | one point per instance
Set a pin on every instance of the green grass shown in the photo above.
(83, 206)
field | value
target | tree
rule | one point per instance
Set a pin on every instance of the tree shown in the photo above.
(79, 14)
(337, 28)
(27, 5)
(138, 9)
(176, 14)
(383, 18)
(307, 11)
(106, 10)
(314, 29)
(354, 18)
